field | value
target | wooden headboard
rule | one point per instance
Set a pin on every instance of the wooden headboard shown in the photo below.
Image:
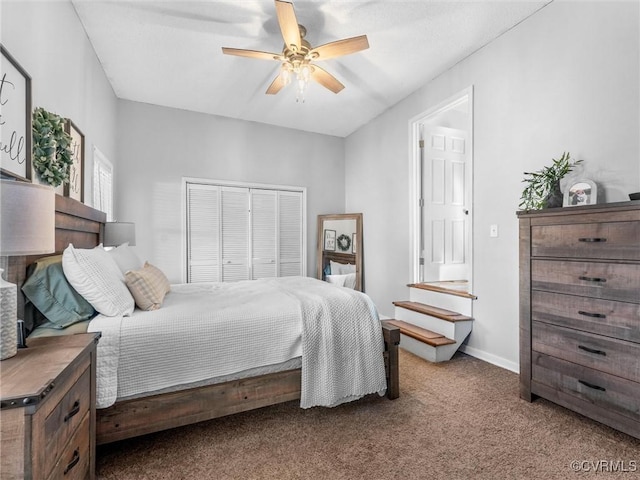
(75, 223)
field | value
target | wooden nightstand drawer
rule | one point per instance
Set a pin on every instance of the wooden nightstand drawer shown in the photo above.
(65, 418)
(604, 317)
(605, 354)
(607, 241)
(604, 280)
(73, 462)
(599, 389)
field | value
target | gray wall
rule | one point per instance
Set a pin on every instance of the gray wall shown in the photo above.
(565, 79)
(158, 146)
(66, 76)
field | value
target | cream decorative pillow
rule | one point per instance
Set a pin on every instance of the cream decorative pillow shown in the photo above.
(96, 276)
(148, 286)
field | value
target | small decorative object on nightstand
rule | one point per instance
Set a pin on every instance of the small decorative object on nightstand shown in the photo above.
(47, 409)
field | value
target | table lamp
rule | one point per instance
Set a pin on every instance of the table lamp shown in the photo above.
(117, 233)
(27, 227)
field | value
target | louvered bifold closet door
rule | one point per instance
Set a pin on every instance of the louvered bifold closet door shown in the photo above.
(235, 234)
(203, 233)
(290, 217)
(264, 233)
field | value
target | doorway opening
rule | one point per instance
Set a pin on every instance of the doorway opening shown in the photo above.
(442, 194)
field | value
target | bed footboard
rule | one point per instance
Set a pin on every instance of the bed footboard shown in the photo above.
(391, 341)
(131, 418)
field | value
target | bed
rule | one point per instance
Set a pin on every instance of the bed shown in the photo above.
(197, 400)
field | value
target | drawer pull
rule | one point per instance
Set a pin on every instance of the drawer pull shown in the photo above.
(73, 412)
(591, 350)
(74, 461)
(591, 385)
(592, 279)
(592, 240)
(593, 315)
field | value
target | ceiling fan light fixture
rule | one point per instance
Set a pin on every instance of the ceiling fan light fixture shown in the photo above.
(297, 54)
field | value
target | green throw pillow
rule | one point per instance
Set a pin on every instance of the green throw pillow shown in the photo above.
(50, 292)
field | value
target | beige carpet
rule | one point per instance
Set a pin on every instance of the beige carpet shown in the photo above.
(461, 419)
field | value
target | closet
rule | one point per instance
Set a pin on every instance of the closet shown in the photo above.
(241, 233)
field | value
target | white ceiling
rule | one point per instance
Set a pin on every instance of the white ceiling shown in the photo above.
(169, 53)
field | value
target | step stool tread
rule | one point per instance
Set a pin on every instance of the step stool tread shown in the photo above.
(432, 311)
(422, 334)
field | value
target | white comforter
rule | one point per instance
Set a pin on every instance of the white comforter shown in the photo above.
(205, 331)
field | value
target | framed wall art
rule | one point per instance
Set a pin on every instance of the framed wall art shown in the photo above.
(15, 118)
(330, 240)
(581, 192)
(75, 187)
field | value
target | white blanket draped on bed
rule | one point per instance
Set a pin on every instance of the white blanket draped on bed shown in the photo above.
(205, 331)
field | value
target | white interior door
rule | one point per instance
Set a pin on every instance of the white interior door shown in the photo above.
(446, 184)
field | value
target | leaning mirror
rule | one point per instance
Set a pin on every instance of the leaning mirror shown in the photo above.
(339, 257)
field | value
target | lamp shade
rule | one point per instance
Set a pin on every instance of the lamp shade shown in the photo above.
(27, 218)
(117, 233)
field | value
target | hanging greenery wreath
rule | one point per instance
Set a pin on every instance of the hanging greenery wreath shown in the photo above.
(52, 154)
(344, 242)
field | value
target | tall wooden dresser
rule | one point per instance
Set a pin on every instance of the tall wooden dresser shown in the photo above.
(580, 310)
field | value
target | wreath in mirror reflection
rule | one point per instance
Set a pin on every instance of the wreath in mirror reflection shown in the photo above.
(344, 242)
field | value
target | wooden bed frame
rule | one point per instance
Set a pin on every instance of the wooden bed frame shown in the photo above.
(83, 226)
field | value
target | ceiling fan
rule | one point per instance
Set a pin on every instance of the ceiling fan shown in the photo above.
(298, 55)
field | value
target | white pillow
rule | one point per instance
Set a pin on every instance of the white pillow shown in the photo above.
(336, 279)
(125, 258)
(96, 276)
(348, 280)
(341, 268)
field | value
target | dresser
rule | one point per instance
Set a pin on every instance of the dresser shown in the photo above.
(47, 409)
(580, 310)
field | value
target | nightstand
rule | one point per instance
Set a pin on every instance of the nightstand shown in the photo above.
(47, 409)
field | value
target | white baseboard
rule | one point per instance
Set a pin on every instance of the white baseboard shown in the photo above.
(490, 358)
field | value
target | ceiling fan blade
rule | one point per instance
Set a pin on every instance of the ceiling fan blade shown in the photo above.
(325, 79)
(251, 53)
(340, 47)
(288, 24)
(275, 86)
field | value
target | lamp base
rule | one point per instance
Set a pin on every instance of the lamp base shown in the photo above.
(8, 319)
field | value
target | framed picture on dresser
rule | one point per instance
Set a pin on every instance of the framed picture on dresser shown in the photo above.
(75, 187)
(581, 192)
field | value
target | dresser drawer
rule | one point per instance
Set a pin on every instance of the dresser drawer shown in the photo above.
(65, 418)
(604, 280)
(73, 462)
(605, 354)
(597, 388)
(607, 241)
(604, 317)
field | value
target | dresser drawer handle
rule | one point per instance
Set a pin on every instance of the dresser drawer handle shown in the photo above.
(73, 412)
(74, 461)
(592, 240)
(593, 315)
(592, 279)
(591, 385)
(591, 350)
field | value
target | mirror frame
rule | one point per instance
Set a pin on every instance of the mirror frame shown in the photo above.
(323, 257)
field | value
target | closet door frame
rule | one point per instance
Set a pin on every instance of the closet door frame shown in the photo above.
(279, 189)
